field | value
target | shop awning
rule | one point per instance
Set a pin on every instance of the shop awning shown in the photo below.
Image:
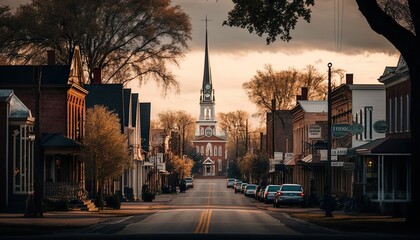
(289, 162)
(386, 146)
(307, 158)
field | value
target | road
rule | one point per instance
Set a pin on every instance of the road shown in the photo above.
(208, 211)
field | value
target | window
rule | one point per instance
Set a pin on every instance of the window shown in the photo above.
(220, 151)
(401, 113)
(368, 123)
(208, 149)
(390, 114)
(408, 110)
(197, 149)
(396, 115)
(202, 150)
(215, 151)
(219, 164)
(23, 160)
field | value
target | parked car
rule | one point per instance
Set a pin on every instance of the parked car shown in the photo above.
(230, 182)
(238, 186)
(290, 194)
(269, 193)
(189, 181)
(249, 190)
(260, 194)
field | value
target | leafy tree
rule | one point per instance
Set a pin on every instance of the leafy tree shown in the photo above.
(235, 125)
(284, 86)
(399, 27)
(105, 149)
(180, 121)
(127, 39)
(182, 166)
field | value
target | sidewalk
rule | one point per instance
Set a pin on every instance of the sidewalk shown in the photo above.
(77, 218)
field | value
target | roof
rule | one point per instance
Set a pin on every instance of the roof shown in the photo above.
(108, 95)
(58, 140)
(145, 124)
(386, 146)
(312, 106)
(17, 108)
(127, 100)
(134, 107)
(26, 75)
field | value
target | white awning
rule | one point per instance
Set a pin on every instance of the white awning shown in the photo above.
(307, 158)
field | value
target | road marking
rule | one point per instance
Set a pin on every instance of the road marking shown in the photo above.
(204, 223)
(121, 220)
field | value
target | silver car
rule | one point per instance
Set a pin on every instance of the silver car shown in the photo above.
(269, 193)
(289, 194)
(249, 190)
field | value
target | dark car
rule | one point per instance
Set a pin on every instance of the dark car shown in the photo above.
(289, 194)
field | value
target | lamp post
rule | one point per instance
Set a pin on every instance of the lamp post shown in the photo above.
(328, 203)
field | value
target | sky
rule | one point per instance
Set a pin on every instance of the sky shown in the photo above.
(338, 34)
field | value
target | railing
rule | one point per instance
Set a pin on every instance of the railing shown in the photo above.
(62, 190)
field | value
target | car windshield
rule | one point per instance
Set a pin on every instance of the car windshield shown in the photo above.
(273, 188)
(291, 188)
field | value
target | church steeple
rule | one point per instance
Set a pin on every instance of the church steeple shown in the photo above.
(207, 72)
(207, 92)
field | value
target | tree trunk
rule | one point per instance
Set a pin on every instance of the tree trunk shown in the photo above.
(408, 44)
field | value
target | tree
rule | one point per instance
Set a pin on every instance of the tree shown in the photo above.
(182, 166)
(179, 121)
(398, 29)
(105, 148)
(127, 39)
(284, 86)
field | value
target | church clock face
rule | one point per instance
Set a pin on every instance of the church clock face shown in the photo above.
(207, 86)
(209, 132)
(207, 96)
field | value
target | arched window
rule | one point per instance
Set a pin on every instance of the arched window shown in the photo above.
(197, 149)
(215, 151)
(220, 150)
(202, 150)
(209, 149)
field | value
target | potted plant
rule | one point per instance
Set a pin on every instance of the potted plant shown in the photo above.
(147, 195)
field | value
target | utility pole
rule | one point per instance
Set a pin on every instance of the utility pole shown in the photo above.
(38, 166)
(328, 202)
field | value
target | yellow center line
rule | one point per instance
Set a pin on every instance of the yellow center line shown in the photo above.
(204, 223)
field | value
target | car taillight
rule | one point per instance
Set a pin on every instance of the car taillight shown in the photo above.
(301, 194)
(279, 193)
(266, 194)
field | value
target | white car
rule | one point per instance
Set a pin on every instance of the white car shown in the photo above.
(189, 181)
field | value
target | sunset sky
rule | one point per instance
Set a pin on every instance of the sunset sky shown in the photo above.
(338, 33)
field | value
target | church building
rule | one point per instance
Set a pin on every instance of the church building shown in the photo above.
(209, 141)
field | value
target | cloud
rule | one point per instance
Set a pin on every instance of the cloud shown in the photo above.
(333, 27)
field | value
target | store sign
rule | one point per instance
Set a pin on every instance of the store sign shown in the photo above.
(342, 129)
(278, 156)
(314, 131)
(337, 164)
(380, 126)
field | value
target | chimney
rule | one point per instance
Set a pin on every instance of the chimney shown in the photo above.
(349, 78)
(298, 97)
(50, 57)
(97, 76)
(304, 93)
